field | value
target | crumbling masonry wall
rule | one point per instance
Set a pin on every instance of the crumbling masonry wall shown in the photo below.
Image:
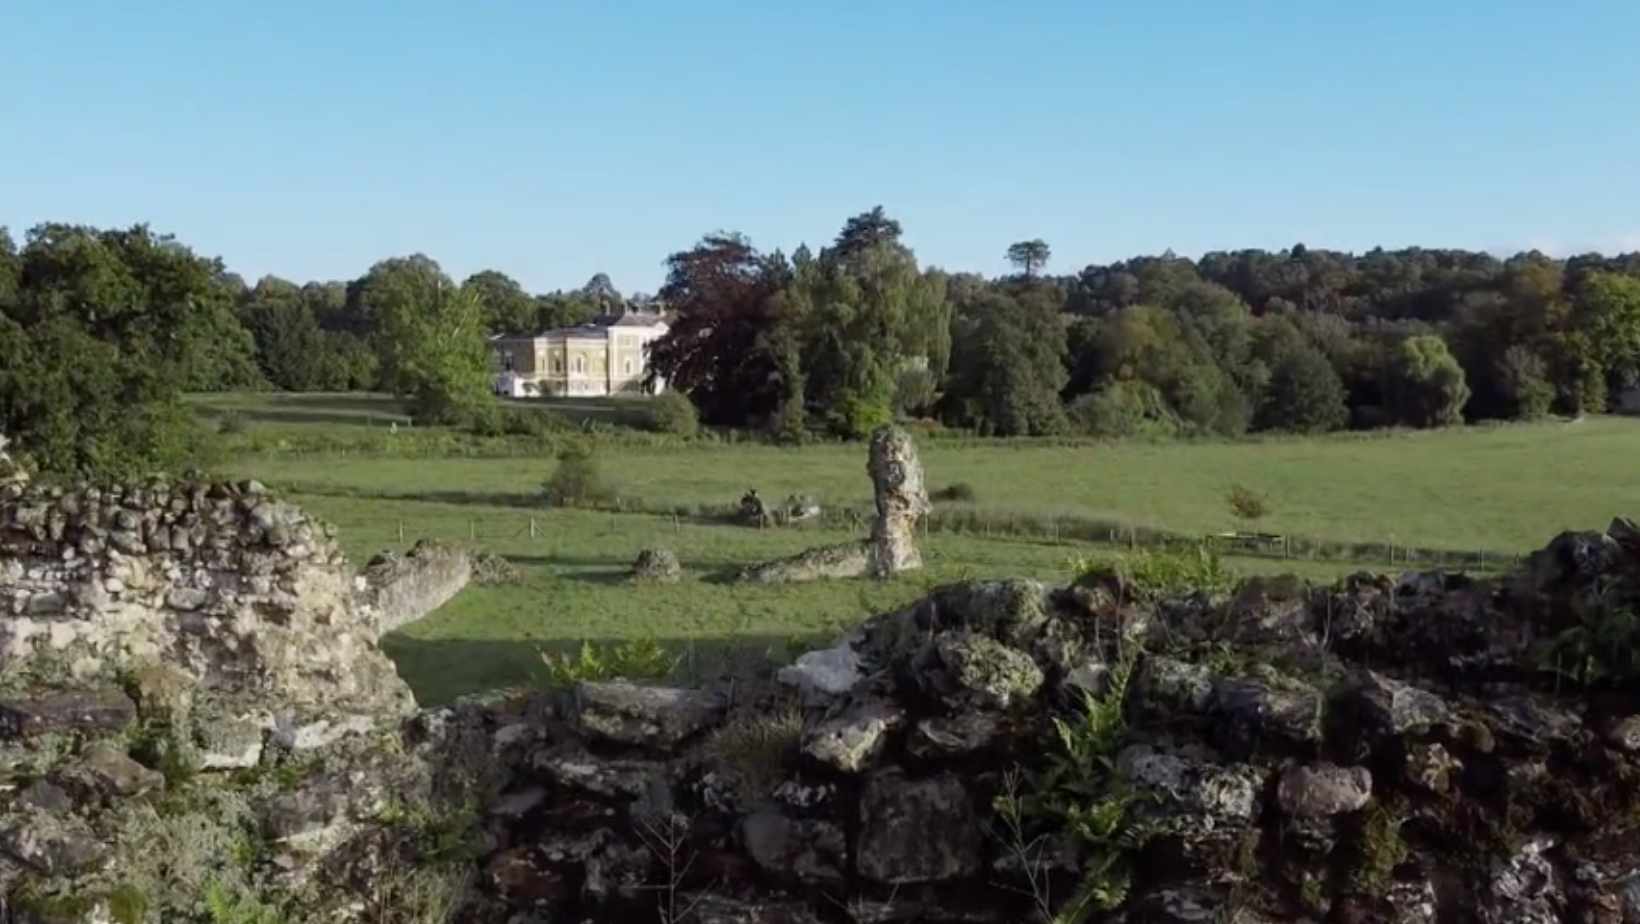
(240, 592)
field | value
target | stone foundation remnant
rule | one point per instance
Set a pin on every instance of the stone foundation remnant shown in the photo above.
(897, 477)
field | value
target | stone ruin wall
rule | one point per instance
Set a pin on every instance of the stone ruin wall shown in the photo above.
(241, 592)
(1267, 733)
(404, 588)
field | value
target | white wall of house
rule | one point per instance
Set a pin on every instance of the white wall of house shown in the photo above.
(587, 362)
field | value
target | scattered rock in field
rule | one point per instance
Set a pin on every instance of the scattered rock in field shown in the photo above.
(658, 566)
(490, 569)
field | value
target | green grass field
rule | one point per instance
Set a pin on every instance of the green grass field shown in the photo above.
(1503, 489)
(575, 588)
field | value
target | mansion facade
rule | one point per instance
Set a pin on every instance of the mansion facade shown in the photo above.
(606, 356)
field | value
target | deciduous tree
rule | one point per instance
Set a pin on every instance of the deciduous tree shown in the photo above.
(1424, 385)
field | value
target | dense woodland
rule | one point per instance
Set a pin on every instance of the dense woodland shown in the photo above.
(101, 331)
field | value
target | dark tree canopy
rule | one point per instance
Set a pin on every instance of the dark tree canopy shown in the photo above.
(862, 233)
(721, 349)
(1030, 256)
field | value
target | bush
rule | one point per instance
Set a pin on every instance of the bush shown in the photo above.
(484, 420)
(577, 481)
(231, 423)
(857, 416)
(1245, 504)
(961, 492)
(523, 421)
(1124, 409)
(672, 412)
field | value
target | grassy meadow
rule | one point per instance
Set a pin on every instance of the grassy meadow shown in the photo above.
(1506, 489)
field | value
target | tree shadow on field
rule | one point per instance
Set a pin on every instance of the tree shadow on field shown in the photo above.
(441, 670)
(518, 499)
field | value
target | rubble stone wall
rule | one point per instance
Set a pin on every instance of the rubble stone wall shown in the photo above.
(242, 593)
(1411, 750)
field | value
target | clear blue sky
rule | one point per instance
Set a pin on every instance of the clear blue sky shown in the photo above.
(553, 140)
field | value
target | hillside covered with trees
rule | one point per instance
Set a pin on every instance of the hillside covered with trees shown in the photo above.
(101, 331)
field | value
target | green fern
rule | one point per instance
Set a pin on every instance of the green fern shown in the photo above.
(639, 659)
(228, 906)
(1104, 886)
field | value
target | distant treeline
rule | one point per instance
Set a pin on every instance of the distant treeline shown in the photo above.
(102, 330)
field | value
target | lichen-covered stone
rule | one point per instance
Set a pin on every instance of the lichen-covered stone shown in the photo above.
(969, 671)
(105, 772)
(97, 711)
(1381, 707)
(1168, 686)
(843, 560)
(1431, 767)
(917, 830)
(1524, 888)
(227, 742)
(52, 843)
(897, 476)
(947, 737)
(1251, 713)
(809, 851)
(623, 779)
(656, 717)
(1323, 790)
(852, 739)
(657, 566)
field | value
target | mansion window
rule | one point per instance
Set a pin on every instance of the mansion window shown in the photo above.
(580, 365)
(627, 367)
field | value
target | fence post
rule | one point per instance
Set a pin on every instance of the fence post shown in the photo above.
(401, 532)
(472, 530)
(532, 527)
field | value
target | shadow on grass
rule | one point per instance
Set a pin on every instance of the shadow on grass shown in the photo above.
(521, 499)
(441, 670)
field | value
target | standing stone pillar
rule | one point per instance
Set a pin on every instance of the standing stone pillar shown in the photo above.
(897, 474)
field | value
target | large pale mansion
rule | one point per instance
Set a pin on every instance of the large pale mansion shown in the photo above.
(606, 356)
